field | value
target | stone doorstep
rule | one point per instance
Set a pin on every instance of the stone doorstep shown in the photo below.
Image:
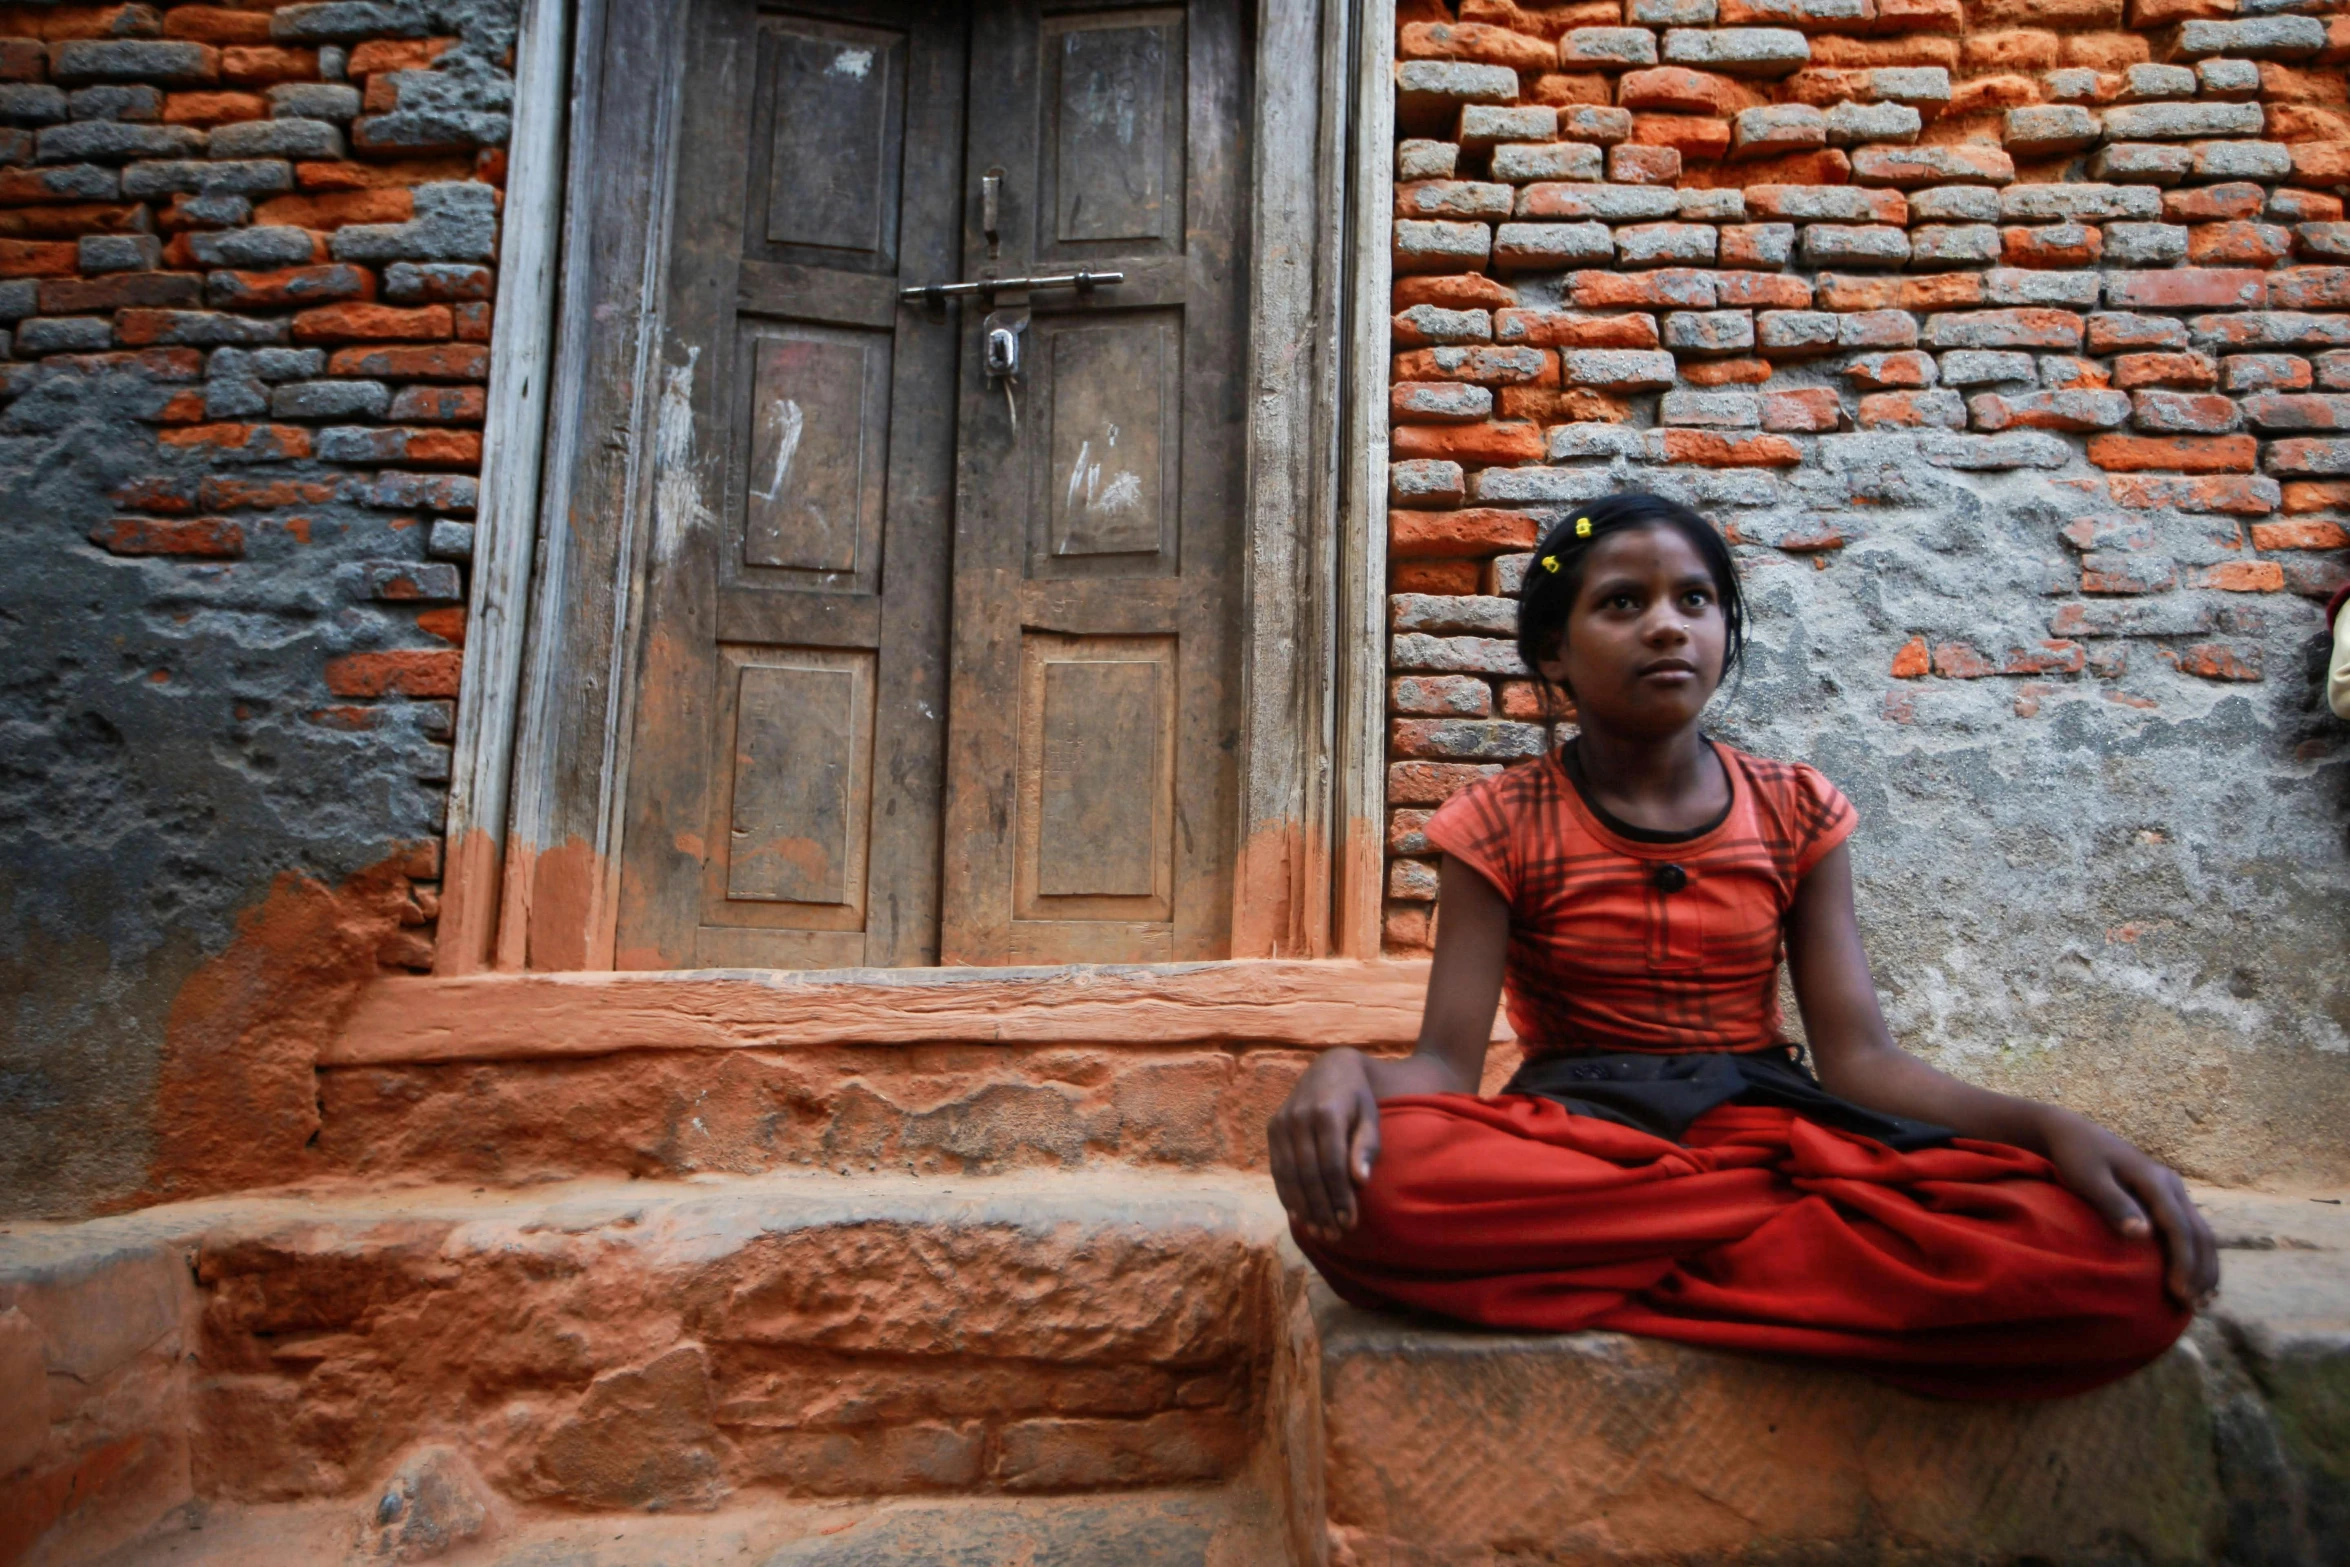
(671, 1347)
(1447, 1447)
(516, 1078)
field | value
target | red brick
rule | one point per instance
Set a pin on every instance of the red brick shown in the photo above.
(473, 321)
(1572, 329)
(1474, 41)
(1706, 449)
(1693, 136)
(2049, 658)
(1913, 661)
(263, 65)
(1488, 443)
(1563, 88)
(1479, 531)
(1482, 366)
(2052, 245)
(154, 492)
(1433, 783)
(23, 60)
(1462, 291)
(120, 291)
(266, 442)
(1643, 165)
(1726, 372)
(2199, 413)
(2239, 576)
(2176, 370)
(2238, 244)
(2174, 453)
(1806, 410)
(2186, 289)
(1434, 576)
(357, 323)
(1900, 411)
(210, 24)
(2235, 495)
(228, 492)
(214, 538)
(440, 405)
(2321, 162)
(1882, 372)
(2310, 288)
(2303, 496)
(334, 209)
(2219, 661)
(1672, 288)
(290, 286)
(447, 623)
(1679, 90)
(1961, 661)
(2125, 574)
(1760, 291)
(397, 54)
(390, 174)
(444, 448)
(214, 108)
(32, 258)
(185, 407)
(400, 362)
(409, 672)
(2214, 203)
(2306, 535)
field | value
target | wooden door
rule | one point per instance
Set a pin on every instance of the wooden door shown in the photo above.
(785, 773)
(1091, 779)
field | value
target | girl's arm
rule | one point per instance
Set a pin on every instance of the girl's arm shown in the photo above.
(1859, 1061)
(1325, 1138)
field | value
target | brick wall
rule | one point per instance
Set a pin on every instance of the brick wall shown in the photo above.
(245, 280)
(2009, 341)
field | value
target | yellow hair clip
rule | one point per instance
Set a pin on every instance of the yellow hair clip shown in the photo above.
(1582, 527)
(1550, 563)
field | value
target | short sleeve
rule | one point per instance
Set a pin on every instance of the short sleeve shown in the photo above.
(1475, 827)
(1823, 818)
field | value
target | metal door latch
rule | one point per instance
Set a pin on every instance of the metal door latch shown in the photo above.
(1004, 338)
(988, 287)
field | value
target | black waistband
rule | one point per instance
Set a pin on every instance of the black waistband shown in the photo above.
(1662, 1094)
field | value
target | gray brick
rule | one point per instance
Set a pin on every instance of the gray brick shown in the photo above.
(405, 581)
(2145, 244)
(1485, 124)
(2242, 160)
(1550, 246)
(31, 103)
(2074, 84)
(1606, 203)
(1711, 410)
(1926, 84)
(2229, 78)
(1617, 369)
(64, 335)
(1522, 163)
(278, 139)
(1580, 442)
(2141, 163)
(214, 328)
(1711, 206)
(1850, 124)
(2263, 38)
(1665, 244)
(421, 282)
(114, 141)
(1854, 245)
(1979, 453)
(79, 182)
(19, 297)
(2181, 121)
(1738, 51)
(1795, 331)
(314, 101)
(253, 248)
(1535, 486)
(2149, 83)
(1417, 158)
(115, 101)
(1709, 331)
(455, 221)
(2033, 286)
(1985, 367)
(288, 364)
(358, 443)
(343, 21)
(234, 397)
(1768, 244)
(1670, 13)
(1433, 84)
(171, 63)
(2040, 129)
(266, 177)
(450, 540)
(16, 146)
(120, 253)
(1954, 204)
(331, 400)
(2078, 203)
(216, 209)
(1954, 245)
(1606, 46)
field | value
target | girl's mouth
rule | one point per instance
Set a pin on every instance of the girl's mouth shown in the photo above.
(1668, 669)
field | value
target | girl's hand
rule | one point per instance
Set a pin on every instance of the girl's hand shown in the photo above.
(1323, 1141)
(2127, 1186)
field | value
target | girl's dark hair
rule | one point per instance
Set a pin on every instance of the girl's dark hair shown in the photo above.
(1549, 595)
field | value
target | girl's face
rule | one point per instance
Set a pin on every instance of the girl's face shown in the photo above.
(1643, 647)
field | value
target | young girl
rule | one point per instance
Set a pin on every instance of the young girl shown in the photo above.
(1663, 1163)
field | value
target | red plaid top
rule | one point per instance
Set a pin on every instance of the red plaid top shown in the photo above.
(1601, 957)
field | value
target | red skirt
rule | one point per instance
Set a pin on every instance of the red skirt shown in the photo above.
(1965, 1271)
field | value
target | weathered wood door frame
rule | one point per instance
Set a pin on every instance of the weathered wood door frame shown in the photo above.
(544, 722)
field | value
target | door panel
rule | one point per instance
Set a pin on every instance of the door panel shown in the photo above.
(785, 778)
(1090, 781)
